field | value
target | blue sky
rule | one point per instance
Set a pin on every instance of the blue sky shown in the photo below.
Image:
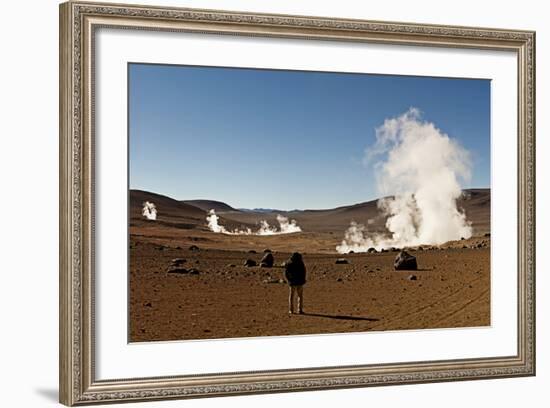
(284, 139)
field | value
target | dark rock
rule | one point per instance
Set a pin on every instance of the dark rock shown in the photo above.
(342, 261)
(252, 252)
(371, 250)
(487, 235)
(194, 271)
(412, 277)
(177, 270)
(194, 248)
(339, 280)
(267, 250)
(351, 252)
(462, 238)
(267, 261)
(178, 261)
(250, 262)
(148, 304)
(405, 261)
(420, 248)
(232, 265)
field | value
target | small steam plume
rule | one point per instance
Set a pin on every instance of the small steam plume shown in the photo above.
(149, 210)
(422, 171)
(285, 226)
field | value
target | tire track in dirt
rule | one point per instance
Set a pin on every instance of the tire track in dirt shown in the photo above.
(442, 299)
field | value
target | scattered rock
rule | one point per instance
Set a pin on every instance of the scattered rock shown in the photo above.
(177, 270)
(250, 262)
(487, 235)
(462, 238)
(420, 248)
(412, 277)
(405, 261)
(371, 250)
(252, 252)
(178, 261)
(394, 249)
(148, 304)
(194, 271)
(267, 250)
(339, 280)
(351, 252)
(194, 248)
(267, 261)
(342, 261)
(232, 265)
(464, 246)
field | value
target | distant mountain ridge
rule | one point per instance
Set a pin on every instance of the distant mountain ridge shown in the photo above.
(475, 202)
(208, 205)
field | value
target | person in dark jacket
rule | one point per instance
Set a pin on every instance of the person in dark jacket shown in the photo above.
(295, 274)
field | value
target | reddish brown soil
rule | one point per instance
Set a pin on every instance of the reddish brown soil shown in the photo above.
(452, 288)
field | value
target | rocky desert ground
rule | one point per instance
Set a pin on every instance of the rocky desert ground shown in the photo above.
(187, 282)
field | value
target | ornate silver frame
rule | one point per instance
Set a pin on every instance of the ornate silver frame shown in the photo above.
(78, 21)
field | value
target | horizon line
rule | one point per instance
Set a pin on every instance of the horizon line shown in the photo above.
(279, 209)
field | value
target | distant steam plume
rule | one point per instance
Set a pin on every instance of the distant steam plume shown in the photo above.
(149, 210)
(420, 173)
(285, 226)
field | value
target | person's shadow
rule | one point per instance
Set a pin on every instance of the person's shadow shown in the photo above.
(342, 317)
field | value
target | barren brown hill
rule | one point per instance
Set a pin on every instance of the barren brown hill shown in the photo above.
(207, 205)
(476, 203)
(174, 213)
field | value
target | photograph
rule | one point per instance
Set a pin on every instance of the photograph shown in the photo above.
(266, 202)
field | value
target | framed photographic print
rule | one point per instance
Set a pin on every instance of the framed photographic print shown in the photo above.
(258, 203)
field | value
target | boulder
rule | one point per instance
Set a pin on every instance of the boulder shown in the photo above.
(412, 277)
(405, 261)
(250, 262)
(340, 261)
(267, 250)
(267, 261)
(371, 250)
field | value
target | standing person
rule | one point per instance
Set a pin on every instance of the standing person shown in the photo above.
(295, 274)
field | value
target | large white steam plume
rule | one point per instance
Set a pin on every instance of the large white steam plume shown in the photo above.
(285, 226)
(149, 210)
(420, 175)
